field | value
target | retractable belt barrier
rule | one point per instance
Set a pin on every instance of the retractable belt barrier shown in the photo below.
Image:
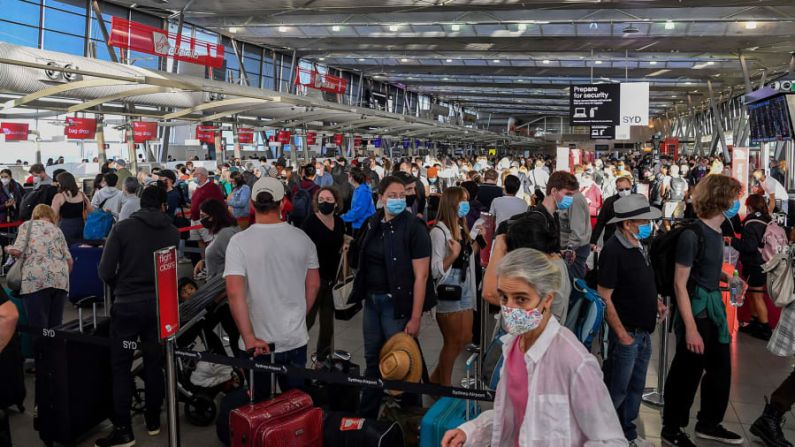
(17, 223)
(331, 377)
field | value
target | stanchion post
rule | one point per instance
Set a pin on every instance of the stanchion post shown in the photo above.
(656, 396)
(171, 394)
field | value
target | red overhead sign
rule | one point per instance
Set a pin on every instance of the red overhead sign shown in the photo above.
(311, 138)
(357, 141)
(80, 128)
(338, 139)
(167, 294)
(14, 131)
(283, 137)
(206, 134)
(320, 81)
(159, 42)
(245, 135)
(144, 131)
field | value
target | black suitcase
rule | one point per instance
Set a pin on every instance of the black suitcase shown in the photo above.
(73, 383)
(340, 430)
(12, 375)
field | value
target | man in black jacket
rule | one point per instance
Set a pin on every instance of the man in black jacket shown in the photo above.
(623, 189)
(43, 192)
(127, 266)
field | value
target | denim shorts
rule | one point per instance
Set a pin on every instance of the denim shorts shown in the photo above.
(468, 294)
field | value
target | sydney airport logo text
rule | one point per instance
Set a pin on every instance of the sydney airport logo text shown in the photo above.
(167, 46)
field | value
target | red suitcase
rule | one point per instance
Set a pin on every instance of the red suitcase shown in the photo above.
(302, 429)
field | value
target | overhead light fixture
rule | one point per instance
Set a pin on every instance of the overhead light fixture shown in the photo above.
(545, 61)
(598, 62)
(593, 25)
(335, 28)
(669, 25)
(657, 73)
(688, 83)
(282, 29)
(404, 60)
(631, 29)
(361, 59)
(394, 28)
(496, 61)
(233, 29)
(521, 27)
(445, 79)
(711, 63)
(455, 27)
(449, 61)
(321, 59)
(652, 62)
(750, 25)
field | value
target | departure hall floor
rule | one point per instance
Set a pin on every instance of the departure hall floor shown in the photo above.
(756, 373)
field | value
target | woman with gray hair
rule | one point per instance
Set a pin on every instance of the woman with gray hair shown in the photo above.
(557, 394)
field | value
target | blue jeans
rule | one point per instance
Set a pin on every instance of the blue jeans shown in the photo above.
(379, 324)
(625, 377)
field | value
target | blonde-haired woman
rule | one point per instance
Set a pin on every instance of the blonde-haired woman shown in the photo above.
(45, 272)
(453, 271)
(557, 394)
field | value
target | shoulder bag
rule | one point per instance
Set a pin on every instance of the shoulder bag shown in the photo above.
(341, 291)
(449, 292)
(14, 276)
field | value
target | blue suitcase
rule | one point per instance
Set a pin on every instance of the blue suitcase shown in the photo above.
(86, 289)
(446, 414)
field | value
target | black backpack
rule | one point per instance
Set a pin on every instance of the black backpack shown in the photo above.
(43, 194)
(302, 204)
(678, 189)
(654, 192)
(663, 257)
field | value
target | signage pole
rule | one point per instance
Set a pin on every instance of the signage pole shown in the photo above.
(656, 396)
(171, 393)
(168, 324)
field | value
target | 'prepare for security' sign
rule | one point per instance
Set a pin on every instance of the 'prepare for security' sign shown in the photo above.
(597, 104)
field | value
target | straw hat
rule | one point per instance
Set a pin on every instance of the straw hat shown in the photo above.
(401, 360)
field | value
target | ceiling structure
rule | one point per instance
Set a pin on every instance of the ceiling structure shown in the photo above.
(518, 57)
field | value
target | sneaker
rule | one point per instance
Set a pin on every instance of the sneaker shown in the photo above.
(119, 437)
(640, 442)
(768, 427)
(153, 425)
(678, 438)
(718, 433)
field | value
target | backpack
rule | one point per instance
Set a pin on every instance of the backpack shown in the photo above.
(663, 256)
(678, 189)
(773, 241)
(654, 192)
(586, 313)
(780, 282)
(43, 194)
(302, 203)
(98, 224)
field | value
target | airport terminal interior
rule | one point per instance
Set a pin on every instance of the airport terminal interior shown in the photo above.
(450, 101)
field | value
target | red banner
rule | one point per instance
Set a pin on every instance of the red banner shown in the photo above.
(206, 134)
(338, 139)
(320, 81)
(14, 131)
(144, 131)
(159, 42)
(311, 138)
(357, 141)
(245, 135)
(283, 137)
(80, 128)
(167, 294)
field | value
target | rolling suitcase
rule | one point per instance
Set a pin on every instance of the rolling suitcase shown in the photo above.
(12, 375)
(24, 337)
(447, 413)
(273, 420)
(73, 383)
(343, 431)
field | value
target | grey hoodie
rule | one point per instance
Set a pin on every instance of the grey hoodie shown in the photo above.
(111, 198)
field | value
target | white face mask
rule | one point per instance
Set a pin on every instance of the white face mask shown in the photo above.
(624, 193)
(36, 179)
(5, 181)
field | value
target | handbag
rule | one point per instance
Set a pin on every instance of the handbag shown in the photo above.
(14, 275)
(341, 291)
(449, 292)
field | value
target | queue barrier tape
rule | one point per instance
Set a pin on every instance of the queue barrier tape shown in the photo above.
(330, 377)
(17, 223)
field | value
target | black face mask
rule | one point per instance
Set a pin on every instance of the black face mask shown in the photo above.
(410, 200)
(326, 208)
(206, 222)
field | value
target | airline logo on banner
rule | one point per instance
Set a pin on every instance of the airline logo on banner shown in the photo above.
(311, 138)
(338, 139)
(283, 137)
(206, 134)
(245, 135)
(151, 40)
(357, 141)
(14, 131)
(80, 128)
(144, 131)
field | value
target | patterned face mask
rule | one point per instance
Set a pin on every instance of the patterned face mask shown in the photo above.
(518, 321)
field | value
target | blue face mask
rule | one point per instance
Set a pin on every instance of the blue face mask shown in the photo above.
(731, 212)
(395, 206)
(644, 231)
(463, 209)
(565, 203)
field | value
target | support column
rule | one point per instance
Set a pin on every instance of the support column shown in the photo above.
(102, 155)
(716, 117)
(174, 68)
(104, 30)
(291, 81)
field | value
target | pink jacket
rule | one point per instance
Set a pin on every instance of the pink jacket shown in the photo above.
(568, 403)
(594, 196)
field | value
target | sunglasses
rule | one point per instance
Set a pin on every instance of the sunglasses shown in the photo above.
(624, 189)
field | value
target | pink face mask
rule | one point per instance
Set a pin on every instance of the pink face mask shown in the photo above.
(518, 321)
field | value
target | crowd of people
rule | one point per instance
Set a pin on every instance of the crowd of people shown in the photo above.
(412, 230)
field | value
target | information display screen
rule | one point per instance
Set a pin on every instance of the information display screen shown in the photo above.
(770, 120)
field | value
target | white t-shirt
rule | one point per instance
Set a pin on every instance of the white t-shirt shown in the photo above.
(773, 186)
(274, 259)
(505, 207)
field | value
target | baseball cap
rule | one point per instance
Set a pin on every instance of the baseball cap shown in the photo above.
(269, 185)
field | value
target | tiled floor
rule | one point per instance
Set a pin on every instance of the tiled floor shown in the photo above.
(756, 374)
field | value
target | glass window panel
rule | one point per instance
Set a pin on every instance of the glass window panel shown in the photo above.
(95, 31)
(206, 36)
(147, 19)
(64, 43)
(252, 67)
(75, 6)
(231, 61)
(144, 60)
(19, 34)
(102, 50)
(21, 12)
(252, 51)
(57, 20)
